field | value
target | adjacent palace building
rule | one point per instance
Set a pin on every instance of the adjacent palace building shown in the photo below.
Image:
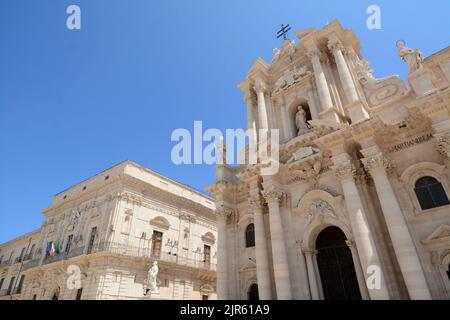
(359, 208)
(107, 231)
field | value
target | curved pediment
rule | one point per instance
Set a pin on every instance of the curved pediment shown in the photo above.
(209, 238)
(160, 222)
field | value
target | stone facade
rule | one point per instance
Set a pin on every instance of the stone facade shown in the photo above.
(359, 207)
(111, 227)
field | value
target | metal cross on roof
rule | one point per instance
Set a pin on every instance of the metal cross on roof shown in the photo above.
(283, 31)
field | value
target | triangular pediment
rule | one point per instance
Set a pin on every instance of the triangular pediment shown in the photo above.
(250, 265)
(442, 233)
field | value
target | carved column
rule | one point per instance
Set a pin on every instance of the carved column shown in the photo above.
(360, 226)
(311, 273)
(354, 107)
(402, 242)
(336, 48)
(222, 261)
(251, 114)
(279, 255)
(358, 269)
(321, 81)
(262, 256)
(260, 89)
(313, 105)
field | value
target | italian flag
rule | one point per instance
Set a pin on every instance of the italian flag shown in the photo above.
(52, 250)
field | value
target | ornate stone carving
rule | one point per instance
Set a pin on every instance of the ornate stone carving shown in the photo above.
(255, 202)
(334, 44)
(443, 145)
(290, 78)
(313, 52)
(319, 209)
(377, 164)
(345, 171)
(302, 153)
(272, 196)
(223, 211)
(259, 86)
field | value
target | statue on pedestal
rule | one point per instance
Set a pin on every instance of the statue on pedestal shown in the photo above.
(300, 121)
(412, 57)
(152, 286)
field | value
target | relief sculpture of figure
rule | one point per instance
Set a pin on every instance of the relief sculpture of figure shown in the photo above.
(412, 57)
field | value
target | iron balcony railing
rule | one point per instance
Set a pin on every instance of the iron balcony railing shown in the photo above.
(123, 250)
(5, 263)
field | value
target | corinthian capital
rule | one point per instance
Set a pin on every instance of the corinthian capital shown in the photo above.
(334, 44)
(345, 171)
(272, 196)
(443, 145)
(223, 211)
(377, 164)
(313, 52)
(255, 202)
(259, 86)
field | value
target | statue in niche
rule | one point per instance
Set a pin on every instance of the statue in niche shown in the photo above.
(412, 57)
(300, 121)
(152, 287)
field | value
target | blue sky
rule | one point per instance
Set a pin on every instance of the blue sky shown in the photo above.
(73, 103)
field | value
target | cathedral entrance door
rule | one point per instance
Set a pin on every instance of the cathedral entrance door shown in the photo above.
(336, 268)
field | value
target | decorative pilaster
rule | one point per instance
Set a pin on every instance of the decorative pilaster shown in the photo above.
(279, 255)
(358, 269)
(348, 85)
(355, 108)
(322, 86)
(402, 242)
(365, 243)
(262, 256)
(260, 89)
(311, 273)
(222, 260)
(251, 114)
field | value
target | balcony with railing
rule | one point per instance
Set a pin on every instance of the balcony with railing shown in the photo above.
(126, 251)
(5, 263)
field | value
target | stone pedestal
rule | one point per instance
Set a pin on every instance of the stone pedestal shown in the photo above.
(420, 81)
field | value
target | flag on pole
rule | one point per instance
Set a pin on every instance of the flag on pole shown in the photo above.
(52, 250)
(58, 247)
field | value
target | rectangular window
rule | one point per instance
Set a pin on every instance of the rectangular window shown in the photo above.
(34, 297)
(79, 293)
(205, 297)
(1, 282)
(69, 243)
(156, 243)
(19, 287)
(10, 287)
(21, 256)
(30, 254)
(92, 239)
(207, 255)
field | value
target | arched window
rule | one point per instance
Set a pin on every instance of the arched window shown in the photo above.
(430, 193)
(250, 236)
(252, 293)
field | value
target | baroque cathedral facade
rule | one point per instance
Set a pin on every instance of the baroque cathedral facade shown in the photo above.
(359, 208)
